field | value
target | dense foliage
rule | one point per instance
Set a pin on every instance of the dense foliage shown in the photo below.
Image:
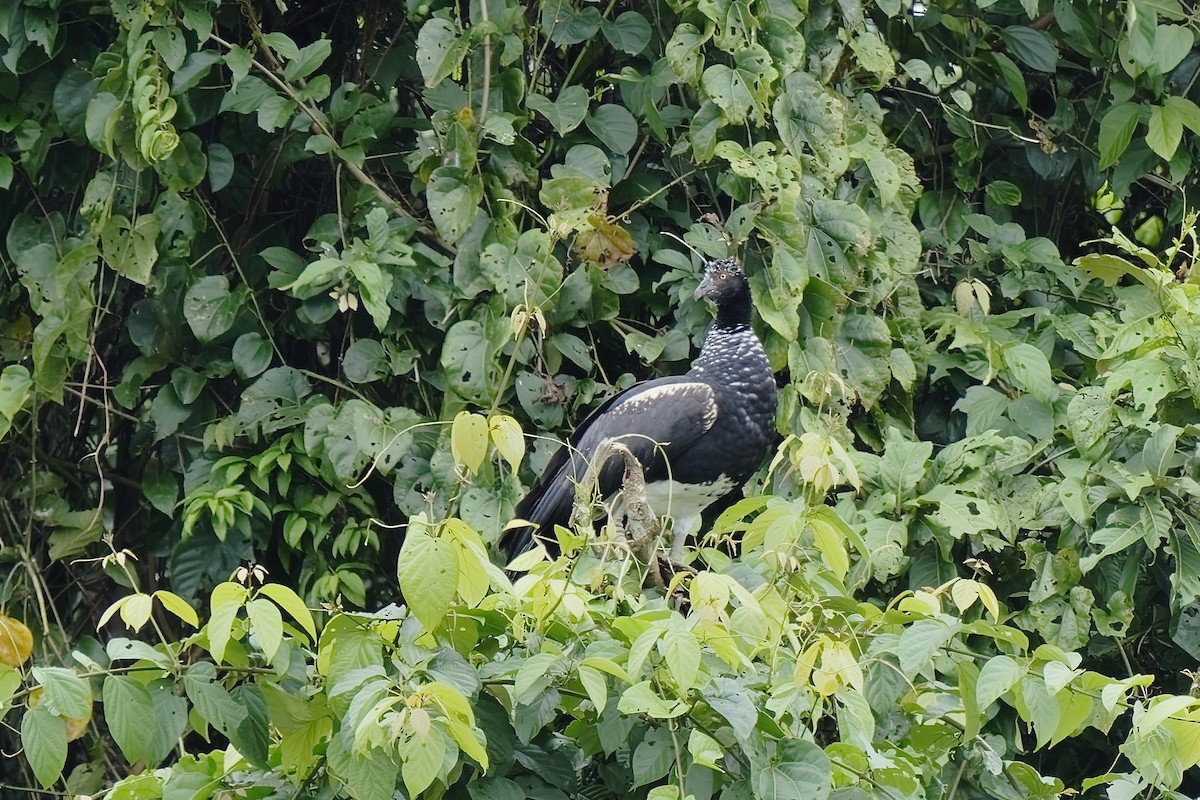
(297, 297)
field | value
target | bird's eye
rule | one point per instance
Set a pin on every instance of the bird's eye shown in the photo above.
(722, 276)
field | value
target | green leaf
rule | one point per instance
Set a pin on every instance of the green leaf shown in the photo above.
(454, 198)
(801, 769)
(162, 491)
(44, 740)
(1032, 46)
(566, 25)
(829, 534)
(127, 709)
(169, 719)
(1172, 43)
(196, 66)
(309, 57)
(136, 610)
(130, 247)
(920, 641)
(374, 285)
(422, 755)
(1164, 130)
(595, 684)
(615, 126)
(1043, 710)
(10, 681)
(289, 601)
(266, 623)
(64, 692)
(681, 651)
(1004, 193)
(212, 702)
(220, 166)
(653, 757)
(282, 44)
(705, 750)
(368, 776)
(566, 112)
(365, 361)
(1013, 79)
(251, 354)
(1111, 268)
(1187, 111)
(227, 599)
(998, 675)
(210, 308)
(642, 699)
(961, 514)
(440, 50)
(15, 389)
(428, 573)
(684, 53)
(1116, 131)
(6, 172)
(1031, 370)
(726, 87)
(275, 401)
(903, 464)
(630, 32)
(465, 360)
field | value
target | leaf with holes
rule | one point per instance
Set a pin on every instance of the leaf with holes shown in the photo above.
(440, 50)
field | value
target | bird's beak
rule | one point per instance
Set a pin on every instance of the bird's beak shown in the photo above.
(705, 288)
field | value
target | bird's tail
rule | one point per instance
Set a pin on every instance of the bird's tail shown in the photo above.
(547, 504)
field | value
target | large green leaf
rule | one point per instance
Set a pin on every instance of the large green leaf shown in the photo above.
(44, 740)
(566, 112)
(801, 769)
(428, 575)
(440, 50)
(127, 709)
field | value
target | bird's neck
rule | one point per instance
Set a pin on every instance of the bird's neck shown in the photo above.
(734, 314)
(731, 345)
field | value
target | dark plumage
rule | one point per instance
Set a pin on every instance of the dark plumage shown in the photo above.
(698, 436)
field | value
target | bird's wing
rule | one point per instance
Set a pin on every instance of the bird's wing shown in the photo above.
(657, 420)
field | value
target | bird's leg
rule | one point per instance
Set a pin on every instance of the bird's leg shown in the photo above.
(679, 535)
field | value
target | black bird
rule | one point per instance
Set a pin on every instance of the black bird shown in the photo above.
(698, 436)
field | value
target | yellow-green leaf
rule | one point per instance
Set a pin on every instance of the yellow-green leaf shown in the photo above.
(290, 602)
(135, 610)
(267, 624)
(178, 606)
(227, 598)
(469, 440)
(964, 592)
(831, 543)
(464, 736)
(508, 438)
(595, 685)
(988, 598)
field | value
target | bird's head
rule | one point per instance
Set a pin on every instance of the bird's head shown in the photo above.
(723, 280)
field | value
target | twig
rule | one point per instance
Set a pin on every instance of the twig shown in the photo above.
(485, 97)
